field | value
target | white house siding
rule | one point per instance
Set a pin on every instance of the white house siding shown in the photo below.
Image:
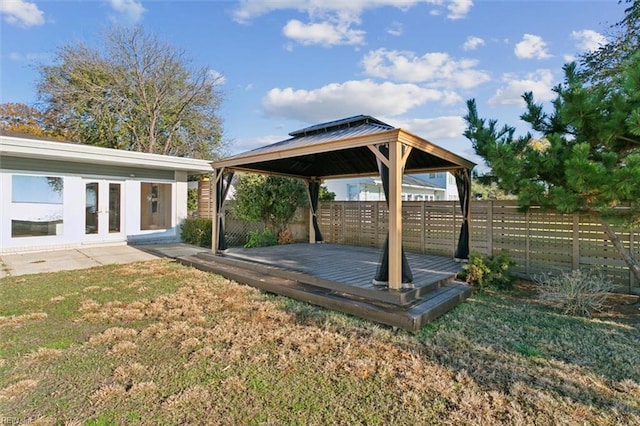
(370, 189)
(443, 180)
(72, 213)
(75, 176)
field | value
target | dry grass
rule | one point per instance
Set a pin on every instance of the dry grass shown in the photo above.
(167, 344)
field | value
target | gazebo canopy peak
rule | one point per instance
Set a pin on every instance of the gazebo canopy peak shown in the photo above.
(342, 148)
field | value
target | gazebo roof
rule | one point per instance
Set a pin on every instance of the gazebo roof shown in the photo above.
(342, 148)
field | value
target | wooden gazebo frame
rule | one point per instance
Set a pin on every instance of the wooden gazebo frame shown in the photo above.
(346, 148)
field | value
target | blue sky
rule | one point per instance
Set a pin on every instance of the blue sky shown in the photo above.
(288, 64)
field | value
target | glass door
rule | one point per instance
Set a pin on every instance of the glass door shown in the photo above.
(103, 210)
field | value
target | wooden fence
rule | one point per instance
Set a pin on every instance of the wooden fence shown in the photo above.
(539, 241)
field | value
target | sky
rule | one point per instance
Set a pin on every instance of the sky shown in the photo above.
(283, 65)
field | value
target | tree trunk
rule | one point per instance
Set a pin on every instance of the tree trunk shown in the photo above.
(622, 250)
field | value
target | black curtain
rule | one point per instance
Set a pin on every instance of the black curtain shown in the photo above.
(222, 189)
(463, 181)
(382, 275)
(314, 193)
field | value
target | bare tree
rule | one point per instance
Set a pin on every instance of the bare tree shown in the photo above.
(136, 93)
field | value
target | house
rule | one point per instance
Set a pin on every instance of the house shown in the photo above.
(370, 189)
(61, 194)
(420, 187)
(444, 180)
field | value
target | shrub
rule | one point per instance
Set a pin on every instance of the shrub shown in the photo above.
(578, 292)
(261, 239)
(197, 231)
(192, 201)
(285, 236)
(489, 271)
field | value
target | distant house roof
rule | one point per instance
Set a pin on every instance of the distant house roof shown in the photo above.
(14, 144)
(407, 180)
(342, 148)
(416, 181)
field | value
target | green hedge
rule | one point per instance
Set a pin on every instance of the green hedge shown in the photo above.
(197, 232)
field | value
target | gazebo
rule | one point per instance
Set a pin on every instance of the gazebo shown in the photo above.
(355, 146)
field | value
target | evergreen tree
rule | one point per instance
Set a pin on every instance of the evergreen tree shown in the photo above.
(585, 154)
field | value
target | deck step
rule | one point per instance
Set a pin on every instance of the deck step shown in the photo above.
(403, 297)
(410, 317)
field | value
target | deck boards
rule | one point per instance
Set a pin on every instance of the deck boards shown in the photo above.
(339, 278)
(348, 269)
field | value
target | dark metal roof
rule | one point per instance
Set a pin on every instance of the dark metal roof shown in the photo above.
(341, 148)
(356, 120)
(316, 135)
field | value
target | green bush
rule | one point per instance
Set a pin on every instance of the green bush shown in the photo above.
(261, 239)
(578, 292)
(197, 231)
(489, 271)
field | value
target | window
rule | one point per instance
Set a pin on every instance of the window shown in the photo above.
(155, 205)
(36, 205)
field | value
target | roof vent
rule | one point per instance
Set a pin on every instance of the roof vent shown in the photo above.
(329, 126)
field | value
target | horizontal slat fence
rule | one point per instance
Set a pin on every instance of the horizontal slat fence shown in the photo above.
(539, 241)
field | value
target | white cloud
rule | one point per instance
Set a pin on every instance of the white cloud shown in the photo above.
(458, 9)
(472, 43)
(438, 69)
(323, 33)
(132, 10)
(333, 21)
(247, 144)
(21, 12)
(249, 9)
(446, 127)
(350, 98)
(539, 82)
(216, 77)
(588, 40)
(532, 47)
(28, 57)
(395, 29)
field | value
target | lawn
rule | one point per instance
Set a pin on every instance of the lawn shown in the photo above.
(160, 343)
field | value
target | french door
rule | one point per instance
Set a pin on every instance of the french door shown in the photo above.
(103, 210)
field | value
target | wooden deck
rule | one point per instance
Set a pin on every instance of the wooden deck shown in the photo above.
(340, 278)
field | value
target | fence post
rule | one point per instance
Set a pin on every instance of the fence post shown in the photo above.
(332, 226)
(453, 239)
(632, 277)
(423, 224)
(575, 253)
(527, 261)
(490, 227)
(359, 228)
(343, 224)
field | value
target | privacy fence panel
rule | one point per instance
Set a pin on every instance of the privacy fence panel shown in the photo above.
(539, 241)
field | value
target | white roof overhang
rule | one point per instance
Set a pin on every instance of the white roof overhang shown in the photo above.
(17, 146)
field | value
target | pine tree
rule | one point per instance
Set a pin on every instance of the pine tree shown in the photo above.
(582, 156)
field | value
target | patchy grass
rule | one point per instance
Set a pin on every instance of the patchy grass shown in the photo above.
(160, 343)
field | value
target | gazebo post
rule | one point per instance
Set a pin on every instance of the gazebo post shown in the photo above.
(312, 232)
(395, 215)
(214, 211)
